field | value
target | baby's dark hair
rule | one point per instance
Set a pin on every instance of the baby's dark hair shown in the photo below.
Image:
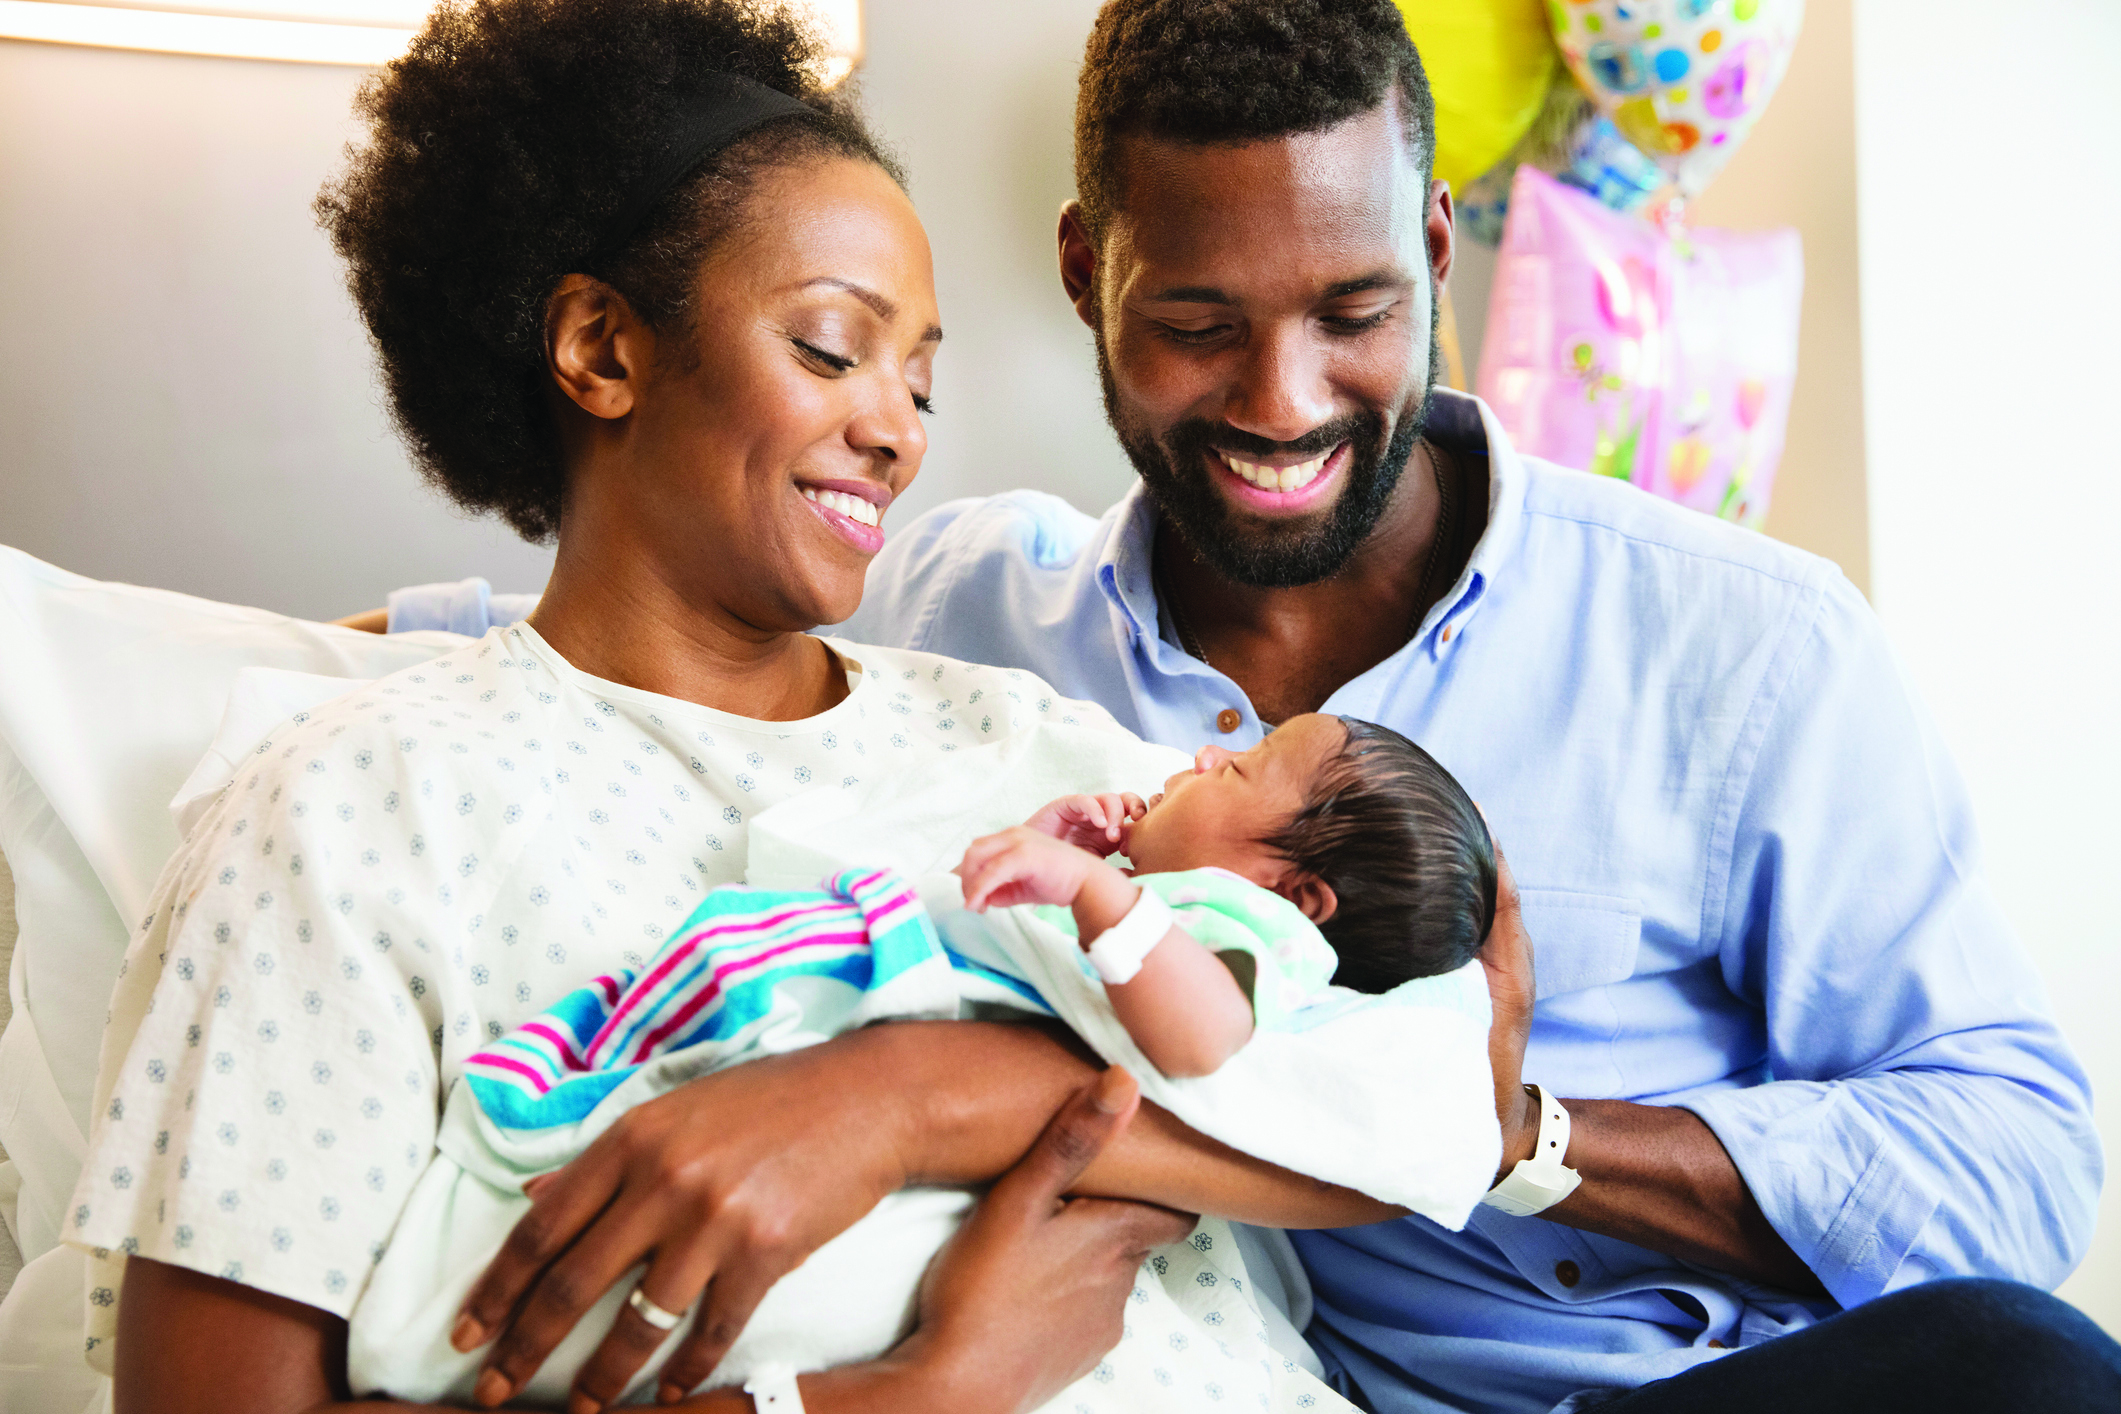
(1406, 852)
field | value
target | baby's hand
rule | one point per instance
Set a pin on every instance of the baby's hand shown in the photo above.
(1020, 865)
(1092, 822)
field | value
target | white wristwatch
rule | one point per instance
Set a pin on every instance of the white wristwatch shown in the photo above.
(1538, 1183)
(773, 1391)
(1118, 952)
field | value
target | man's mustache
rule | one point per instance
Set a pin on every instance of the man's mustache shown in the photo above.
(1222, 437)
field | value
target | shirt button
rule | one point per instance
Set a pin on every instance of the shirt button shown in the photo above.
(1717, 1345)
(1447, 633)
(1228, 720)
(1567, 1273)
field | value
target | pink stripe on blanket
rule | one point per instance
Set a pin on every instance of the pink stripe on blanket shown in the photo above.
(713, 989)
(492, 1061)
(720, 932)
(568, 1054)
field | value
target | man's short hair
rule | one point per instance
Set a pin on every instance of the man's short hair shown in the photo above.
(1233, 71)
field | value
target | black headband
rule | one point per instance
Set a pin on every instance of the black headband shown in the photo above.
(728, 107)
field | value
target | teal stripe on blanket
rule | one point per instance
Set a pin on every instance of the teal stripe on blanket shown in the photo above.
(723, 972)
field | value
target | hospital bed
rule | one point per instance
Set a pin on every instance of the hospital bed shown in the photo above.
(110, 695)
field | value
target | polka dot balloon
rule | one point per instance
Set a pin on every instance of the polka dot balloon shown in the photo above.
(1683, 80)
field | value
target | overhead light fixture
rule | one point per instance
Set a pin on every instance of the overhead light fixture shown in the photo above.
(363, 33)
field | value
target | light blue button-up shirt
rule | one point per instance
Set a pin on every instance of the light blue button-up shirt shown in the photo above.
(1750, 874)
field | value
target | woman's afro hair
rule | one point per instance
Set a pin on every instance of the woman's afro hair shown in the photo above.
(1231, 71)
(497, 147)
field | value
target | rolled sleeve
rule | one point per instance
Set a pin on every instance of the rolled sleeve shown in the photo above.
(1922, 1115)
(467, 606)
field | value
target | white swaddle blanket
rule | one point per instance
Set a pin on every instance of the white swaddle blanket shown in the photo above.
(1390, 1095)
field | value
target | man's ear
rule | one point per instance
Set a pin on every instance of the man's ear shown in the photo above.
(595, 346)
(1078, 263)
(1312, 895)
(1442, 231)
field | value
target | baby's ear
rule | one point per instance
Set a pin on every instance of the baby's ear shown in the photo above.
(1311, 894)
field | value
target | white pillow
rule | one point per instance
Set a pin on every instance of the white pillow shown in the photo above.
(259, 700)
(109, 696)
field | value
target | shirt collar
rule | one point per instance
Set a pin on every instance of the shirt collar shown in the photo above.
(1457, 421)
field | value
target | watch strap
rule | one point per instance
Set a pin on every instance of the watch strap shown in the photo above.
(773, 1391)
(1538, 1183)
(1118, 952)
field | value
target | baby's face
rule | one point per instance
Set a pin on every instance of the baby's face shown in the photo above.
(1216, 813)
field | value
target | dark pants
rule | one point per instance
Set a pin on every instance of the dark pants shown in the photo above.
(1938, 1348)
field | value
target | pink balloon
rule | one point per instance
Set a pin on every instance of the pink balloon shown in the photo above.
(1664, 361)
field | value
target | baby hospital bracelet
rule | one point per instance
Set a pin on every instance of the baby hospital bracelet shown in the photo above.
(1118, 952)
(773, 1391)
(1538, 1183)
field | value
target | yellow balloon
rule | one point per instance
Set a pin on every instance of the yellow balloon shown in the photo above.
(1490, 63)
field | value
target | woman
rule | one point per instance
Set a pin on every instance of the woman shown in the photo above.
(697, 355)
(635, 284)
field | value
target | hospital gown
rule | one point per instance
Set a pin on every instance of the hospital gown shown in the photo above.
(399, 878)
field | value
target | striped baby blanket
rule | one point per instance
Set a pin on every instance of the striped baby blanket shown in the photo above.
(744, 959)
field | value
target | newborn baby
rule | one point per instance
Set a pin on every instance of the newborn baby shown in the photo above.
(1213, 941)
(1335, 850)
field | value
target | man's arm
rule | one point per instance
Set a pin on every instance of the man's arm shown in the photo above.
(469, 607)
(368, 621)
(1924, 1117)
(1652, 1175)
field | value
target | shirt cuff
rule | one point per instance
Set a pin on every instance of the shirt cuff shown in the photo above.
(505, 609)
(463, 607)
(1829, 1176)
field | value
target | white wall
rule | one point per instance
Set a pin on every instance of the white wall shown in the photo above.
(189, 400)
(980, 100)
(1990, 202)
(195, 407)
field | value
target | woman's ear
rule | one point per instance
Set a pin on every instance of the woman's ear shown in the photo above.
(595, 346)
(1313, 895)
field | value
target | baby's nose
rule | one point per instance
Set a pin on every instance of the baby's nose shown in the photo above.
(1208, 758)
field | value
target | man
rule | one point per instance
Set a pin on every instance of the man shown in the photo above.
(1803, 1063)
(1746, 865)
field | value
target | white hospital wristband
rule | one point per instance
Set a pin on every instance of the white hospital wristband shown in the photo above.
(773, 1391)
(1538, 1183)
(1118, 952)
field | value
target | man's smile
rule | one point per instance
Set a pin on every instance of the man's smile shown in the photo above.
(1280, 485)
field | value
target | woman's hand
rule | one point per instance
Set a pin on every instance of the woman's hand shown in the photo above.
(1092, 822)
(1029, 1295)
(1020, 865)
(721, 1186)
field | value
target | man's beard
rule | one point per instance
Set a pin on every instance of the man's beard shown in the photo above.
(1178, 475)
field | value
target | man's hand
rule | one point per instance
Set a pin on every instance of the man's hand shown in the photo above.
(1506, 954)
(1654, 1175)
(1020, 865)
(1027, 1249)
(1093, 822)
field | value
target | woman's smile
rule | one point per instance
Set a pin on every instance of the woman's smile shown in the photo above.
(854, 510)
